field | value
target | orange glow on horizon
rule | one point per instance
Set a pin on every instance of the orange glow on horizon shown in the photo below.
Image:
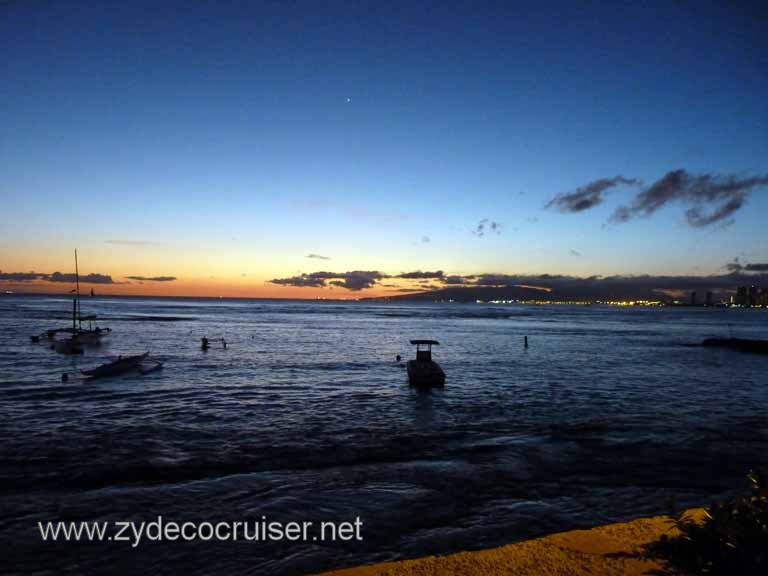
(211, 288)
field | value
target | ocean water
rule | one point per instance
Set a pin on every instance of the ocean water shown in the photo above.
(307, 416)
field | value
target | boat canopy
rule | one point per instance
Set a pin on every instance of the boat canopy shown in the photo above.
(429, 342)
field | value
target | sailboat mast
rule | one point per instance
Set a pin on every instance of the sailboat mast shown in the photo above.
(77, 286)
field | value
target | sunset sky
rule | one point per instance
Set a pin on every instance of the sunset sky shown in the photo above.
(226, 145)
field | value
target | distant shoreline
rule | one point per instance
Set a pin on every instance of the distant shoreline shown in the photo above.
(408, 299)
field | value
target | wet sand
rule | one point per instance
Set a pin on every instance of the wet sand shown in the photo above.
(604, 550)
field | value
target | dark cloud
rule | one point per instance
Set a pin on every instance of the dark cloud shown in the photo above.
(84, 279)
(711, 198)
(455, 280)
(547, 286)
(322, 275)
(562, 287)
(358, 280)
(737, 266)
(355, 280)
(56, 277)
(20, 276)
(302, 281)
(152, 278)
(496, 280)
(421, 275)
(734, 266)
(587, 196)
(486, 226)
(698, 219)
(317, 257)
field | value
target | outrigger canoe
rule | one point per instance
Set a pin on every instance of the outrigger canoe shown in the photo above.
(119, 366)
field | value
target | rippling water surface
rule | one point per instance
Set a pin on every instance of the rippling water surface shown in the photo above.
(306, 416)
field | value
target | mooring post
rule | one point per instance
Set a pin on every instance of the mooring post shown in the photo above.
(525, 342)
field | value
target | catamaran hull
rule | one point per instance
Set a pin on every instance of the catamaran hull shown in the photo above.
(84, 336)
(93, 336)
(69, 346)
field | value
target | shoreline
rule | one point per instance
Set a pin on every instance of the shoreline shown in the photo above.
(390, 300)
(606, 550)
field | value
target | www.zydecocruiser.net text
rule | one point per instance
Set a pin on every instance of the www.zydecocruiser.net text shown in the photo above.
(159, 530)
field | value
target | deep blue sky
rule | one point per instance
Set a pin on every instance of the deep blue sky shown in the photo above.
(239, 136)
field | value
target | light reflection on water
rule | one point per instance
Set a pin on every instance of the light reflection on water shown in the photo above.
(306, 416)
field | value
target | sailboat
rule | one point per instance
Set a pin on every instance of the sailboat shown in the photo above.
(77, 335)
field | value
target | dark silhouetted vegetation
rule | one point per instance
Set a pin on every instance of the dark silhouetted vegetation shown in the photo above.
(733, 538)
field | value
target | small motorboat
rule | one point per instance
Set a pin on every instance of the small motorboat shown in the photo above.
(740, 344)
(117, 367)
(424, 372)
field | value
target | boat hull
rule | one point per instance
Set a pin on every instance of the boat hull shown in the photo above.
(69, 346)
(117, 367)
(425, 374)
(91, 336)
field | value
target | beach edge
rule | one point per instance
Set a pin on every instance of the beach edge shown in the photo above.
(608, 549)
